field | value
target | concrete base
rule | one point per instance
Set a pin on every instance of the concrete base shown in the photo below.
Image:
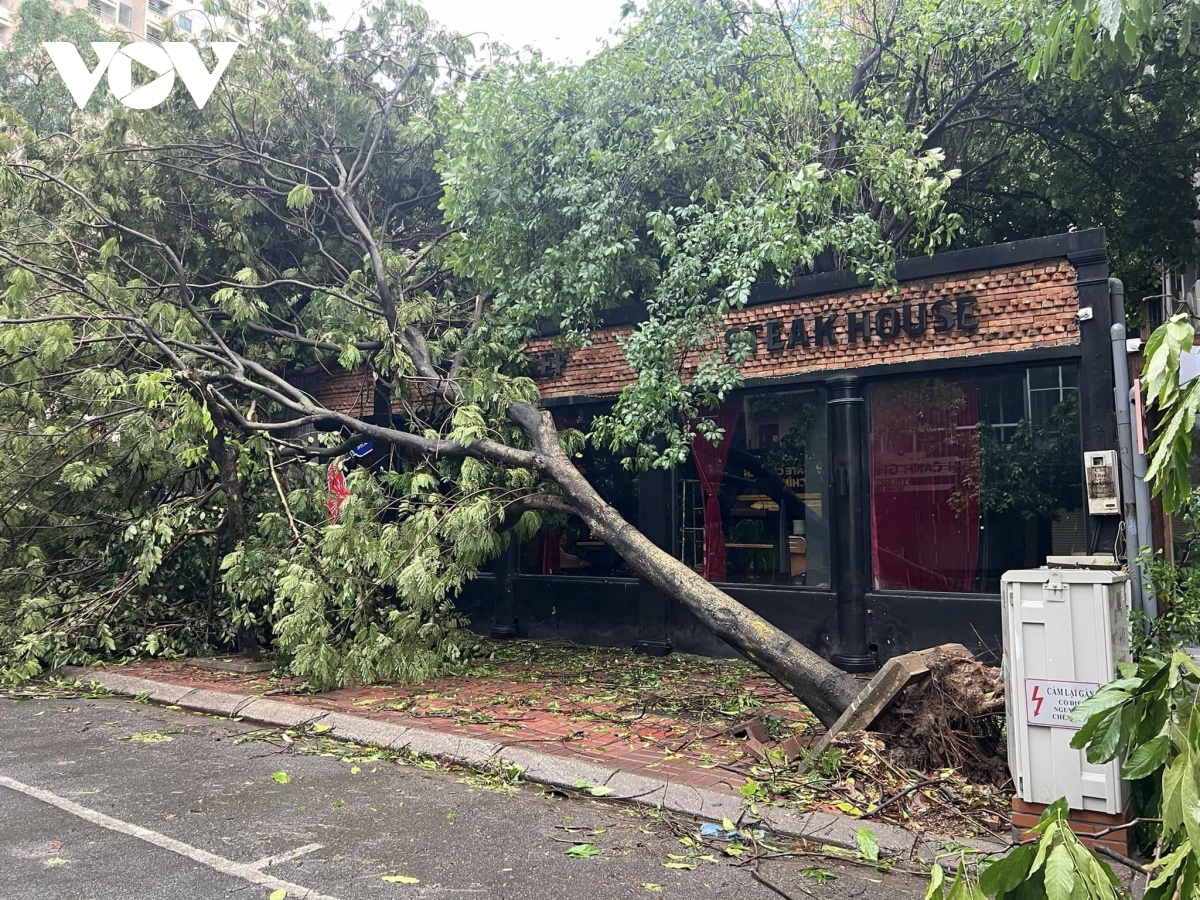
(1084, 823)
(239, 664)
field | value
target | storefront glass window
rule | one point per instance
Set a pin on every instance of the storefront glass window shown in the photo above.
(973, 476)
(752, 509)
(565, 545)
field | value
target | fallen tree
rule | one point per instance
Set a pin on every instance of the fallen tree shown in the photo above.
(173, 270)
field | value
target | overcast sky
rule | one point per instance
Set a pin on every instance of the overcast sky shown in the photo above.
(564, 30)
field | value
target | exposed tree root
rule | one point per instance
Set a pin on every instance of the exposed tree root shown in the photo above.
(952, 718)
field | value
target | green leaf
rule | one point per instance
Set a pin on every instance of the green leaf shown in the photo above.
(1112, 694)
(1060, 874)
(582, 851)
(1006, 873)
(400, 879)
(300, 197)
(277, 894)
(1107, 738)
(868, 844)
(1147, 758)
(150, 737)
(937, 878)
(1172, 793)
(1044, 845)
(596, 790)
(1084, 735)
(664, 143)
(964, 887)
(1109, 15)
(1169, 864)
(1161, 372)
(1189, 800)
(282, 777)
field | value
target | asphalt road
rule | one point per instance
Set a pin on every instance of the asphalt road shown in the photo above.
(95, 803)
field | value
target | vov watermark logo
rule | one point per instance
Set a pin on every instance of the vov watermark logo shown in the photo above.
(165, 61)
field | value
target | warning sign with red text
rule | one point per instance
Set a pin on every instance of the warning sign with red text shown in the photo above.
(1049, 702)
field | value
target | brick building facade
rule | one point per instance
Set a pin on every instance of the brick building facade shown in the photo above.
(892, 453)
(1005, 310)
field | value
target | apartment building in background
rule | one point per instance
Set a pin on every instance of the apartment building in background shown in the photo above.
(148, 20)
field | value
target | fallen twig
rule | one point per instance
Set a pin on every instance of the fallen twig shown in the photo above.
(1100, 834)
(1123, 860)
(928, 782)
(772, 885)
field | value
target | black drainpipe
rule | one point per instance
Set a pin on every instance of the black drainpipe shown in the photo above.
(848, 507)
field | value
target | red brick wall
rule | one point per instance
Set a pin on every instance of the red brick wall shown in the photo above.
(1017, 308)
(350, 393)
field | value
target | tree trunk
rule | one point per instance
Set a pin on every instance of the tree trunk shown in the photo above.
(823, 688)
(225, 456)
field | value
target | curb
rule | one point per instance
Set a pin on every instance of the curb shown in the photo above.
(540, 768)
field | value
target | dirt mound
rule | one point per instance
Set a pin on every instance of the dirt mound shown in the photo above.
(952, 718)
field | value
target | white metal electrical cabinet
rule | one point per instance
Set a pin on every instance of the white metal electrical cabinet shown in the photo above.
(1065, 630)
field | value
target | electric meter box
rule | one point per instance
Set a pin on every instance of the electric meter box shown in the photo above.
(1103, 490)
(1065, 630)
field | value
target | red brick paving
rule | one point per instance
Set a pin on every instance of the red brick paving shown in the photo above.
(671, 718)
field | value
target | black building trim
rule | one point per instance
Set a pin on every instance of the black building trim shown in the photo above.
(1097, 414)
(1080, 248)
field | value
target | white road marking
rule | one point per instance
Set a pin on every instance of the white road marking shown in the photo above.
(246, 872)
(278, 858)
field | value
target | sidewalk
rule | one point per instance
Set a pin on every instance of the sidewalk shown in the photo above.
(659, 732)
(670, 717)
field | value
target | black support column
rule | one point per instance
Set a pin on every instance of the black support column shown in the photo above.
(656, 520)
(1097, 415)
(848, 511)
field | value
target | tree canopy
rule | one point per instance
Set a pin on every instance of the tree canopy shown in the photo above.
(142, 246)
(715, 148)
